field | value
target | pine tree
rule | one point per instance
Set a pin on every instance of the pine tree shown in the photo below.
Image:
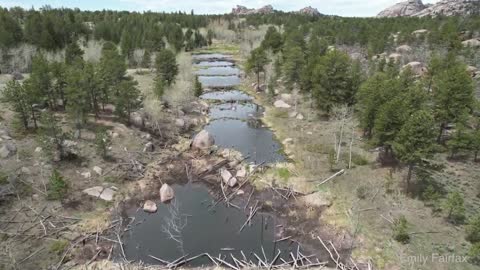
(78, 87)
(128, 99)
(293, 65)
(332, 81)
(415, 141)
(198, 88)
(272, 40)
(454, 206)
(453, 95)
(73, 53)
(166, 65)
(256, 62)
(17, 97)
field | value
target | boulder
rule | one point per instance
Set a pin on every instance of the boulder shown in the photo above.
(403, 49)
(475, 43)
(420, 32)
(166, 193)
(286, 97)
(317, 199)
(180, 123)
(240, 192)
(418, 68)
(300, 116)
(242, 173)
(25, 171)
(395, 57)
(8, 150)
(281, 104)
(450, 8)
(228, 178)
(107, 194)
(94, 191)
(150, 207)
(203, 140)
(38, 149)
(292, 114)
(100, 192)
(472, 70)
(149, 147)
(98, 170)
(86, 174)
(17, 76)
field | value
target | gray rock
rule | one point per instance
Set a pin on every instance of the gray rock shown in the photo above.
(203, 140)
(98, 170)
(180, 123)
(150, 207)
(166, 193)
(100, 192)
(149, 147)
(281, 104)
(7, 150)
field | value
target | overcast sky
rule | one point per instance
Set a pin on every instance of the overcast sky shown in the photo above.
(359, 8)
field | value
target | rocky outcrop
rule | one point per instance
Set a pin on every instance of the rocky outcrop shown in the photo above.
(309, 11)
(451, 8)
(242, 10)
(416, 8)
(407, 8)
(100, 192)
(471, 43)
(418, 68)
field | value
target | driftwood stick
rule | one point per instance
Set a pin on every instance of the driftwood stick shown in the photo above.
(333, 176)
(282, 239)
(31, 255)
(158, 259)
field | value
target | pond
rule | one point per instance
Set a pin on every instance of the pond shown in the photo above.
(219, 81)
(189, 225)
(218, 71)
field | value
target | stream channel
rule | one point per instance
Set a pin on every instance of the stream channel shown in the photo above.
(190, 225)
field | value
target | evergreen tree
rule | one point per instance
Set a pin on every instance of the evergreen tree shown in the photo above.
(256, 62)
(453, 95)
(15, 94)
(293, 65)
(166, 65)
(415, 141)
(77, 92)
(454, 206)
(198, 88)
(73, 53)
(127, 100)
(272, 40)
(333, 82)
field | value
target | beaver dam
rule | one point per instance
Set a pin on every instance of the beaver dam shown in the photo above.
(223, 223)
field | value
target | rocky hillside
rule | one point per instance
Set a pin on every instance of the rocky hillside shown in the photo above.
(407, 8)
(242, 10)
(452, 8)
(445, 8)
(309, 11)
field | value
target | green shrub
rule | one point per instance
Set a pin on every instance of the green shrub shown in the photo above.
(359, 160)
(3, 178)
(283, 173)
(362, 192)
(400, 230)
(431, 197)
(474, 254)
(102, 142)
(455, 208)
(57, 187)
(58, 247)
(473, 230)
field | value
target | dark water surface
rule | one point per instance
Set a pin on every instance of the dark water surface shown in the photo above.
(214, 64)
(205, 230)
(218, 71)
(230, 95)
(219, 81)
